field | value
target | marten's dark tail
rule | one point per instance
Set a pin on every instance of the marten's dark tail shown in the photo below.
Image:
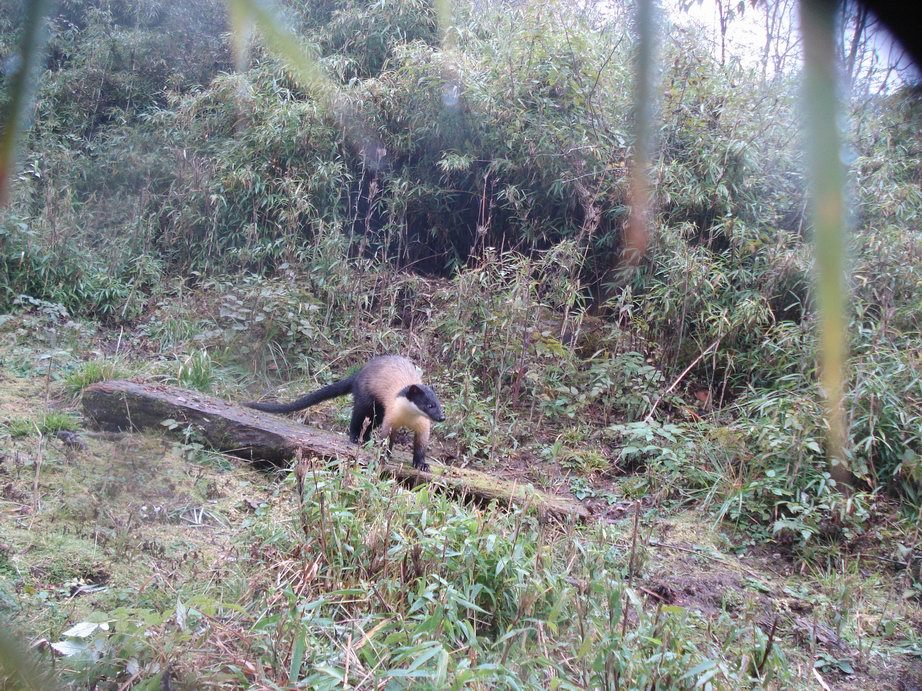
(340, 388)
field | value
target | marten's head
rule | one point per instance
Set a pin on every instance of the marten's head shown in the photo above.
(424, 400)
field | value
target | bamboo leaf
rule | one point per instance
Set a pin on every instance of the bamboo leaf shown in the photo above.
(247, 15)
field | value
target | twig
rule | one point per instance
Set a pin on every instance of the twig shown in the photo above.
(595, 82)
(768, 646)
(886, 560)
(630, 567)
(300, 471)
(38, 471)
(128, 684)
(651, 593)
(688, 369)
(820, 679)
(348, 657)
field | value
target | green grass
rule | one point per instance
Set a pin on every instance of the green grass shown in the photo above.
(47, 424)
(196, 371)
(92, 372)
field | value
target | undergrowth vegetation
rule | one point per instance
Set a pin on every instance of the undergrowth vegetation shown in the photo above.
(462, 201)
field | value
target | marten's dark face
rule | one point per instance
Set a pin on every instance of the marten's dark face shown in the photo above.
(426, 401)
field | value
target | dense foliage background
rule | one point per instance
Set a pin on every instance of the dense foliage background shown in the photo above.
(460, 194)
(150, 158)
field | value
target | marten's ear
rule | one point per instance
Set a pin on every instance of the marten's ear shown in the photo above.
(413, 390)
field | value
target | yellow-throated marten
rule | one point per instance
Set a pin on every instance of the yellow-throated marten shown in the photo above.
(389, 392)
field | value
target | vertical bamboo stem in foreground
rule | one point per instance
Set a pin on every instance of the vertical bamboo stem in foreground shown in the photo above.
(637, 231)
(827, 181)
(20, 89)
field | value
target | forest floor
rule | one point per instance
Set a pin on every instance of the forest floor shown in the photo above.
(105, 527)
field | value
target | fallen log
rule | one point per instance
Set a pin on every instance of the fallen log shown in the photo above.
(254, 435)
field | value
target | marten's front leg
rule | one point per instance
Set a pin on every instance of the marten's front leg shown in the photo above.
(420, 442)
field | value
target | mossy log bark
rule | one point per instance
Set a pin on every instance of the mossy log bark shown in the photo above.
(254, 435)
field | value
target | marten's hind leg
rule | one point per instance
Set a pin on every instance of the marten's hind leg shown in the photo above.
(356, 423)
(363, 408)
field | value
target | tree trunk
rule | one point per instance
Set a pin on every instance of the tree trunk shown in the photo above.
(254, 435)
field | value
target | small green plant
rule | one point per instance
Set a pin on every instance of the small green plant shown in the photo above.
(582, 488)
(116, 642)
(196, 371)
(671, 460)
(48, 424)
(91, 373)
(56, 421)
(21, 427)
(584, 461)
(647, 440)
(828, 663)
(624, 384)
(469, 423)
